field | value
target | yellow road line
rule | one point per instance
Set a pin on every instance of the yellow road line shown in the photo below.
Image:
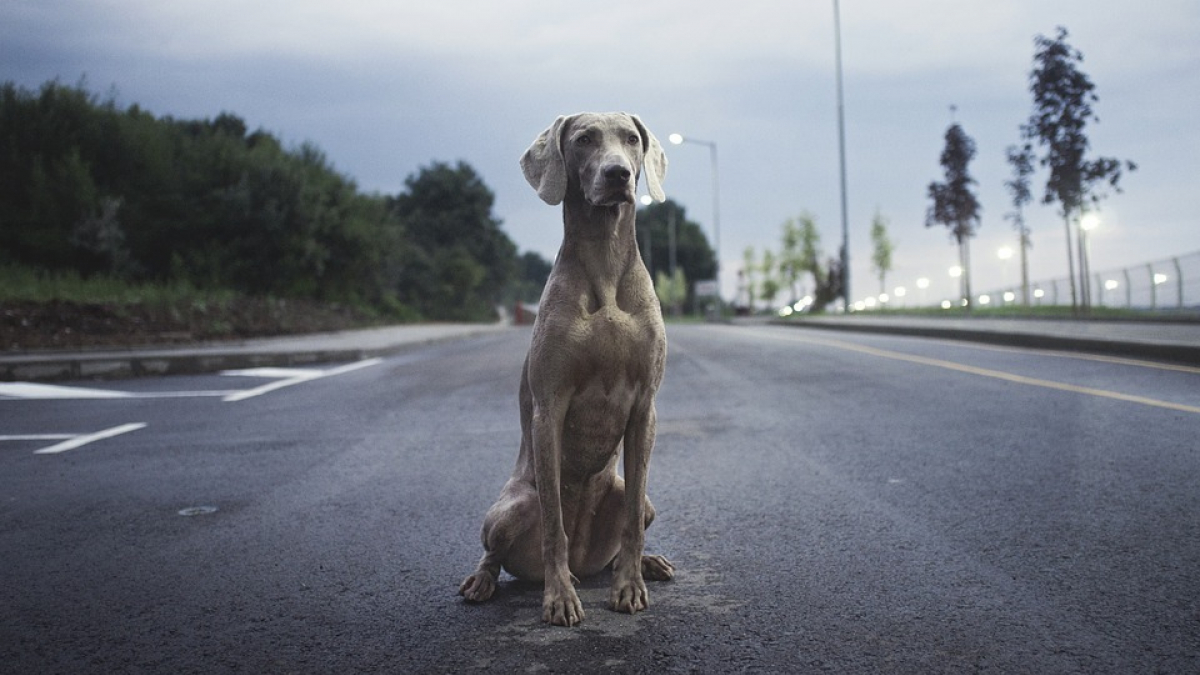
(995, 374)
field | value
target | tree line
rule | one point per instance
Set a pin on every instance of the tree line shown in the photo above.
(1063, 100)
(92, 188)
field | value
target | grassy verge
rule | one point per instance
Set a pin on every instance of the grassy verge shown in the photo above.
(54, 311)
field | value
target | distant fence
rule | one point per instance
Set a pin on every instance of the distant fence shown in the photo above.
(1173, 283)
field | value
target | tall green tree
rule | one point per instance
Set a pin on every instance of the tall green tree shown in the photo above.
(1063, 96)
(466, 260)
(881, 250)
(954, 204)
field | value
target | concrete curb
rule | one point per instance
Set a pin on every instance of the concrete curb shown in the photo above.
(192, 360)
(1146, 349)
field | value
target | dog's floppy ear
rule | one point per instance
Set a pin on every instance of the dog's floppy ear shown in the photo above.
(543, 163)
(655, 161)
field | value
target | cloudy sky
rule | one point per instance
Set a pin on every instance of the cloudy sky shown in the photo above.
(387, 87)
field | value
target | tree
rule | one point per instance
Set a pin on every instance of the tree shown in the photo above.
(1062, 107)
(1021, 160)
(770, 278)
(748, 274)
(954, 204)
(468, 262)
(802, 249)
(882, 247)
(693, 254)
(671, 289)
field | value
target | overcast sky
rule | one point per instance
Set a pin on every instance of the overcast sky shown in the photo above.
(387, 87)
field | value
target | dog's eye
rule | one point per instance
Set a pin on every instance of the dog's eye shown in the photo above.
(633, 140)
(584, 139)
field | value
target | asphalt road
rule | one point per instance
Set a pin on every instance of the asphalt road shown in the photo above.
(833, 503)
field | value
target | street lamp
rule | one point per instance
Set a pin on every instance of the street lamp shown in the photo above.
(841, 114)
(678, 139)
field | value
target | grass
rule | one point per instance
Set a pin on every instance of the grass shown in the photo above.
(23, 284)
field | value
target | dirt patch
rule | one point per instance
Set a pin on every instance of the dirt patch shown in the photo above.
(33, 326)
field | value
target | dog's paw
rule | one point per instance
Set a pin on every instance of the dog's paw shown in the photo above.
(657, 568)
(561, 607)
(629, 596)
(478, 587)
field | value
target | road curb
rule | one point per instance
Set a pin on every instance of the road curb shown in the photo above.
(1174, 352)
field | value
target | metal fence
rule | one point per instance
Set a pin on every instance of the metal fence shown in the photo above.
(1173, 283)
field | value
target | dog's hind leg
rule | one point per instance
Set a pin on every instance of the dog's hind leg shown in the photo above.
(511, 538)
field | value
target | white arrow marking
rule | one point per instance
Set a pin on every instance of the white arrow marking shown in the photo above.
(80, 441)
(294, 375)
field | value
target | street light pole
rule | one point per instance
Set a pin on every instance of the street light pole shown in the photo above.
(677, 139)
(837, 41)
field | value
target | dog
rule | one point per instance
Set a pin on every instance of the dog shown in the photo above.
(595, 362)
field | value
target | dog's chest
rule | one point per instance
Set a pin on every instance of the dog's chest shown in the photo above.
(617, 345)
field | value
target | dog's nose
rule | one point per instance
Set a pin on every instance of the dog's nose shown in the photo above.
(615, 173)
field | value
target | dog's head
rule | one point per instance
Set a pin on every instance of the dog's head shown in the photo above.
(599, 154)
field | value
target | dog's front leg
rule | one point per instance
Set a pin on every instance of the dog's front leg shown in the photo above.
(560, 603)
(628, 592)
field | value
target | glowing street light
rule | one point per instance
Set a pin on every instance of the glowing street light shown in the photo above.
(956, 271)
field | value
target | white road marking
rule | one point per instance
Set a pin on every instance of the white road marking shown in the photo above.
(286, 377)
(37, 437)
(52, 391)
(73, 442)
(294, 376)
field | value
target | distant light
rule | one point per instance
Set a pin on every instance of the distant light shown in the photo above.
(869, 303)
(1009, 296)
(946, 304)
(785, 311)
(1039, 293)
(964, 302)
(985, 299)
(1159, 278)
(883, 298)
(1111, 285)
(675, 139)
(956, 271)
(647, 200)
(922, 283)
(860, 306)
(1005, 252)
(900, 292)
(1089, 222)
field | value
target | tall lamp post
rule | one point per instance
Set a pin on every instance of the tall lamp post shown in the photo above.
(837, 42)
(677, 139)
